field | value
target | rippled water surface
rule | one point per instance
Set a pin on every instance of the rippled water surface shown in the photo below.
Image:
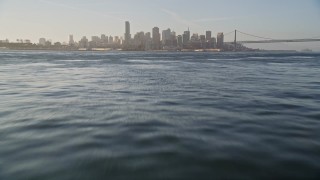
(135, 115)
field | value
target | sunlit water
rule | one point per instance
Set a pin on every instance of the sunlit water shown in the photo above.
(135, 115)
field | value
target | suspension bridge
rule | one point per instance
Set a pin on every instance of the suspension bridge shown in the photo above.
(266, 39)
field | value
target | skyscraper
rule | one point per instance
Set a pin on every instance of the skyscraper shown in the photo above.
(180, 41)
(148, 41)
(220, 40)
(110, 40)
(127, 35)
(213, 42)
(186, 37)
(117, 40)
(173, 39)
(208, 35)
(202, 38)
(166, 35)
(71, 40)
(156, 38)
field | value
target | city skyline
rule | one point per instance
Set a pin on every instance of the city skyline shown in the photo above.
(43, 18)
(141, 41)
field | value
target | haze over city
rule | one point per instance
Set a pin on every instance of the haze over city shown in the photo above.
(56, 19)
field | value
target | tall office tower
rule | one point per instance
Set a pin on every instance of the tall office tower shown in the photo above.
(117, 40)
(166, 35)
(71, 40)
(156, 38)
(186, 37)
(203, 41)
(173, 39)
(202, 38)
(180, 41)
(213, 43)
(208, 35)
(220, 40)
(110, 40)
(127, 35)
(139, 40)
(148, 41)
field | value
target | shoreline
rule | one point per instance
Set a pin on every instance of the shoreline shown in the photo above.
(156, 51)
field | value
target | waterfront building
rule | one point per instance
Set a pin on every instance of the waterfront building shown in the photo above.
(220, 40)
(148, 35)
(117, 40)
(71, 40)
(95, 42)
(208, 35)
(203, 41)
(173, 39)
(104, 39)
(110, 40)
(148, 41)
(95, 39)
(186, 36)
(139, 41)
(84, 42)
(156, 38)
(180, 41)
(203, 38)
(127, 35)
(166, 36)
(195, 37)
(211, 43)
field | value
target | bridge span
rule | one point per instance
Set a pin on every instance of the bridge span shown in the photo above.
(266, 39)
(279, 41)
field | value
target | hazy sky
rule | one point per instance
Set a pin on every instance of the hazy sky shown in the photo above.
(56, 19)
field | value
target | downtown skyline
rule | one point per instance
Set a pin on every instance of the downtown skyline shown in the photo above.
(57, 19)
(166, 40)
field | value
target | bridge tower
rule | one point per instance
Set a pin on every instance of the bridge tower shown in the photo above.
(235, 40)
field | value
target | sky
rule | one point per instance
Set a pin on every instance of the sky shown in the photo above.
(56, 19)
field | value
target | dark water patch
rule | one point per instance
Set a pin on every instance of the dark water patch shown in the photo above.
(315, 116)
